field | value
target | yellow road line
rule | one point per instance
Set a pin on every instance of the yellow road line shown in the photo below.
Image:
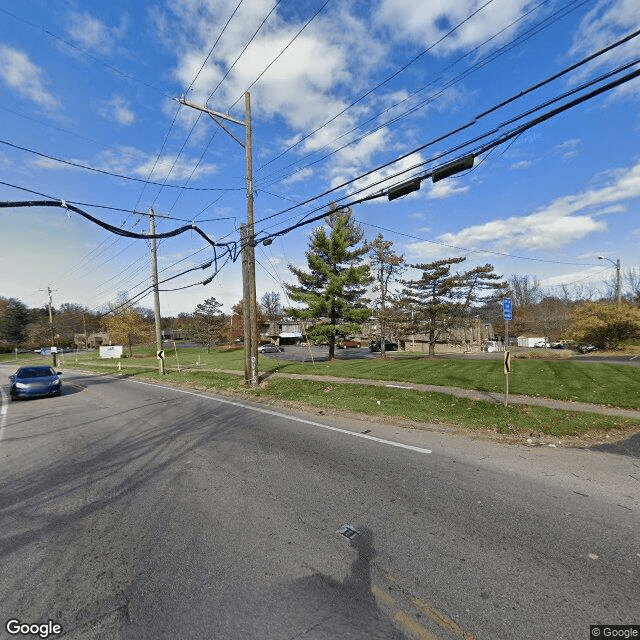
(413, 627)
(441, 619)
(381, 594)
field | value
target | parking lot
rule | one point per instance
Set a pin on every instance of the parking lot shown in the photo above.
(301, 353)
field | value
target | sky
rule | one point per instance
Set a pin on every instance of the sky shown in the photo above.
(348, 98)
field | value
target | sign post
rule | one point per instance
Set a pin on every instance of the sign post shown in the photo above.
(507, 371)
(506, 310)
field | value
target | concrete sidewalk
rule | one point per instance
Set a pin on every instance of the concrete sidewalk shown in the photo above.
(488, 396)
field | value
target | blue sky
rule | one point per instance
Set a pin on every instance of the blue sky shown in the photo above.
(339, 89)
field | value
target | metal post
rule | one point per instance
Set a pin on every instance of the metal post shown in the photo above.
(618, 291)
(154, 284)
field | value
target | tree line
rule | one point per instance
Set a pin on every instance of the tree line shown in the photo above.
(348, 281)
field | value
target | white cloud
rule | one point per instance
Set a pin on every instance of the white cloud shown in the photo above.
(445, 189)
(522, 164)
(298, 176)
(131, 161)
(92, 34)
(428, 23)
(305, 88)
(118, 110)
(562, 222)
(568, 149)
(19, 73)
(608, 21)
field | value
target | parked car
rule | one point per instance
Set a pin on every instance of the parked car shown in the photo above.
(586, 348)
(269, 348)
(388, 346)
(347, 344)
(31, 382)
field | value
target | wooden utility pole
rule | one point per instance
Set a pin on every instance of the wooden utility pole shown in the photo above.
(156, 293)
(251, 255)
(51, 327)
(247, 239)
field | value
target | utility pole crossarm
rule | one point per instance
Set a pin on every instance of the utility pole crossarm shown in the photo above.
(211, 112)
(216, 116)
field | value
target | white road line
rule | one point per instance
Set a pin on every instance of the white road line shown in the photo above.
(277, 414)
(3, 412)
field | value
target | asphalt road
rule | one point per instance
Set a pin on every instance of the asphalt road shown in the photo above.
(134, 511)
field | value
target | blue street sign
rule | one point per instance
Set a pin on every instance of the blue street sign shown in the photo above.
(506, 308)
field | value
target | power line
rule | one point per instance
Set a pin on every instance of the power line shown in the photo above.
(306, 24)
(497, 141)
(84, 52)
(224, 77)
(109, 173)
(472, 122)
(111, 228)
(555, 17)
(380, 84)
(503, 254)
(215, 44)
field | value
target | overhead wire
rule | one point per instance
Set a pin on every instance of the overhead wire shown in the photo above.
(255, 33)
(477, 151)
(277, 57)
(472, 122)
(84, 52)
(377, 86)
(561, 13)
(111, 173)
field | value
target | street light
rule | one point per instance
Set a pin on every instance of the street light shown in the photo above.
(616, 264)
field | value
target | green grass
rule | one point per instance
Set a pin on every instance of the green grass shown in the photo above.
(588, 382)
(599, 383)
(432, 408)
(439, 408)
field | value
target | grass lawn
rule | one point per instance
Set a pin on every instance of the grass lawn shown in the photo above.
(409, 404)
(610, 384)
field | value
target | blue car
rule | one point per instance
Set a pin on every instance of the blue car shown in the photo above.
(31, 382)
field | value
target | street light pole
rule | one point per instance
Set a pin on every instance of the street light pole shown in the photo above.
(616, 264)
(250, 315)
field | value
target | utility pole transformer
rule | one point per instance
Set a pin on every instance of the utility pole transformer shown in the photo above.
(154, 284)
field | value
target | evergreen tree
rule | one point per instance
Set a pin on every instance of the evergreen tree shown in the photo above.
(336, 282)
(209, 323)
(433, 299)
(442, 301)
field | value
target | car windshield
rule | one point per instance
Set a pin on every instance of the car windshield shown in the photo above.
(35, 372)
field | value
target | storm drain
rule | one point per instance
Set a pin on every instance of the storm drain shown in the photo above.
(347, 531)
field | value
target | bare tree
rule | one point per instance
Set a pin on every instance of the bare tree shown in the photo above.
(386, 266)
(271, 305)
(631, 279)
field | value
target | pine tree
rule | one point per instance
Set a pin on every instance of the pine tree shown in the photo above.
(336, 282)
(433, 299)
